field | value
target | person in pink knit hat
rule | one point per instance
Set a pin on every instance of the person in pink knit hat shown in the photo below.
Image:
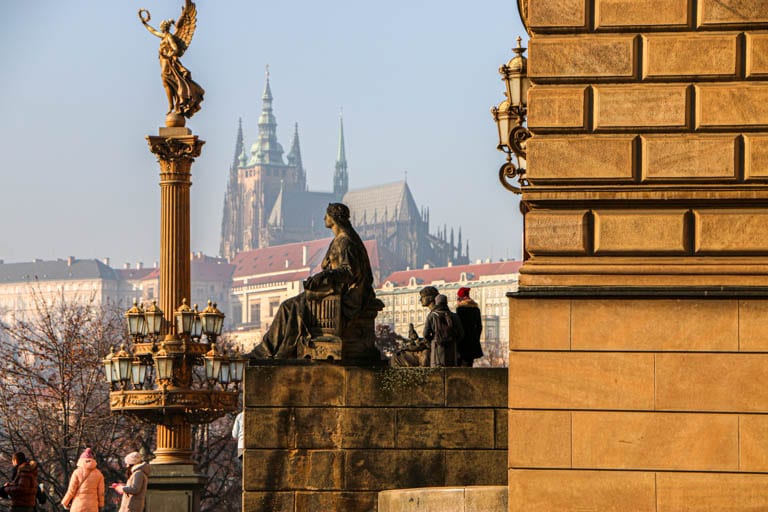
(86, 486)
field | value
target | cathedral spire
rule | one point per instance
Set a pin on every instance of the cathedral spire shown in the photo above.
(294, 158)
(267, 150)
(341, 177)
(239, 142)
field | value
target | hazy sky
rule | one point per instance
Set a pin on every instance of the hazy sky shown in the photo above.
(80, 88)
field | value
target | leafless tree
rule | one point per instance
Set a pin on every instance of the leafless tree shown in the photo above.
(53, 398)
(54, 402)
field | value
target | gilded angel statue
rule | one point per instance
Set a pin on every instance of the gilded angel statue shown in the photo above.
(184, 94)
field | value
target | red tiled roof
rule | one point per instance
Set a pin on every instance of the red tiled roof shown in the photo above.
(284, 262)
(202, 270)
(453, 274)
(279, 258)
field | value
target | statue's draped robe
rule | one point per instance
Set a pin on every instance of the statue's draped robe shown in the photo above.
(346, 270)
(186, 92)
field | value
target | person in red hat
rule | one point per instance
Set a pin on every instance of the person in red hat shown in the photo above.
(86, 486)
(469, 347)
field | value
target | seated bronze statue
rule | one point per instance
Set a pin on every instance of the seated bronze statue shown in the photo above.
(346, 285)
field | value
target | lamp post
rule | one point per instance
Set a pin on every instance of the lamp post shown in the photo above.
(510, 116)
(160, 375)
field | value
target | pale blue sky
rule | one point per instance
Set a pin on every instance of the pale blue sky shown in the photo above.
(80, 88)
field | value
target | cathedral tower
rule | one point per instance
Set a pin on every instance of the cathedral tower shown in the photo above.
(340, 177)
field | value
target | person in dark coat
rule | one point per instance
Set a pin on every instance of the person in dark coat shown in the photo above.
(469, 347)
(22, 489)
(443, 330)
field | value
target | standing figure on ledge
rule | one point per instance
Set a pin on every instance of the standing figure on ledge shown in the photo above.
(184, 95)
(346, 272)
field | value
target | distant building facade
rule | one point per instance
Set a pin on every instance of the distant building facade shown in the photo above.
(267, 203)
(490, 282)
(71, 279)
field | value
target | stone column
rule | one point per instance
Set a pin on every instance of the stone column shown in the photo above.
(175, 485)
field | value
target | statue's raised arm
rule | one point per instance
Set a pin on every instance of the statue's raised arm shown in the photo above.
(184, 94)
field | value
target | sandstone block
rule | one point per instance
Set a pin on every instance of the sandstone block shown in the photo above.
(641, 13)
(757, 54)
(368, 428)
(641, 232)
(268, 502)
(690, 158)
(753, 443)
(556, 232)
(594, 56)
(486, 498)
(572, 159)
(540, 439)
(341, 501)
(553, 107)
(576, 491)
(633, 106)
(526, 333)
(475, 467)
(755, 157)
(392, 469)
(689, 54)
(548, 14)
(656, 325)
(283, 470)
(476, 387)
(272, 427)
(294, 385)
(319, 427)
(712, 382)
(728, 12)
(711, 491)
(501, 429)
(731, 105)
(572, 380)
(637, 440)
(444, 499)
(753, 329)
(445, 428)
(731, 231)
(416, 387)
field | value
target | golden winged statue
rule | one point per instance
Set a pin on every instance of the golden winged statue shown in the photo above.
(184, 94)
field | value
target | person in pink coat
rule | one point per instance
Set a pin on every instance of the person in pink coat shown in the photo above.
(86, 486)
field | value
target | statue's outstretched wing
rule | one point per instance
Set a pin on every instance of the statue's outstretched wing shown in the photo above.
(185, 26)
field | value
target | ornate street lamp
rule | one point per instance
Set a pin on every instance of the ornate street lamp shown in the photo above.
(197, 326)
(212, 365)
(107, 362)
(121, 366)
(136, 321)
(510, 116)
(185, 317)
(153, 318)
(213, 321)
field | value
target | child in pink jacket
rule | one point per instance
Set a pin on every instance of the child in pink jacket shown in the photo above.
(86, 486)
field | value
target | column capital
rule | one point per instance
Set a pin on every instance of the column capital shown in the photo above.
(175, 148)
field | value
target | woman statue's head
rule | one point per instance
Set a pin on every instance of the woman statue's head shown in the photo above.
(339, 212)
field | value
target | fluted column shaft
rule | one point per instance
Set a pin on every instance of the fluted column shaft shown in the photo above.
(176, 149)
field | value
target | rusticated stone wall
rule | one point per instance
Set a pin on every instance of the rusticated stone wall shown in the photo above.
(327, 437)
(650, 146)
(639, 339)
